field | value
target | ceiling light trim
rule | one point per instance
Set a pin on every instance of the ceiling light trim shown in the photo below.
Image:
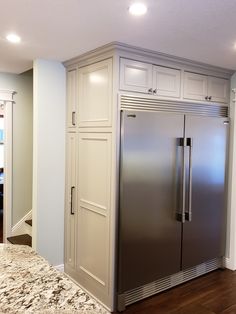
(13, 38)
(138, 9)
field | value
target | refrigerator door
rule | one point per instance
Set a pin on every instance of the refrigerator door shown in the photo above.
(203, 236)
(149, 234)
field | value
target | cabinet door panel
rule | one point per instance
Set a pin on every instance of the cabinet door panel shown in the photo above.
(70, 218)
(166, 81)
(94, 210)
(135, 76)
(71, 98)
(195, 86)
(218, 89)
(95, 94)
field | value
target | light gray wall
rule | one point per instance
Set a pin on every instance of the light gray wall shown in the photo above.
(49, 159)
(22, 141)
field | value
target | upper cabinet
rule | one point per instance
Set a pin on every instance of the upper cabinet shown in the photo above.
(135, 76)
(145, 78)
(71, 98)
(218, 89)
(95, 94)
(205, 88)
(166, 82)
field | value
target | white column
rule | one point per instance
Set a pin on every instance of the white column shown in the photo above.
(49, 160)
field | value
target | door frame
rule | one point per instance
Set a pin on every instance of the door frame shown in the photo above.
(6, 100)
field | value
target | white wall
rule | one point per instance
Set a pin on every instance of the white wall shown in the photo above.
(49, 159)
(231, 223)
(22, 141)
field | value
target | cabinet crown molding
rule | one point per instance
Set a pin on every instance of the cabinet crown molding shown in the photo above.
(118, 48)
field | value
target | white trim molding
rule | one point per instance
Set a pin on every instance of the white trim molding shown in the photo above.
(60, 267)
(6, 101)
(6, 95)
(21, 227)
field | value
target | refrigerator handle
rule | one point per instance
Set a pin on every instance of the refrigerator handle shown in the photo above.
(180, 215)
(188, 214)
(183, 181)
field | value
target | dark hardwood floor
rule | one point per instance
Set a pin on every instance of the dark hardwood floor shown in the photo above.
(214, 293)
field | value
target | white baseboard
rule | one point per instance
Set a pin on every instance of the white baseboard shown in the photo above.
(60, 267)
(22, 227)
(228, 263)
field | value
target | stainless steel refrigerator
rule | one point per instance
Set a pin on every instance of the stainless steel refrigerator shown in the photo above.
(172, 194)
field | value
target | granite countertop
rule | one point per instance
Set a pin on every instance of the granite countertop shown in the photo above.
(28, 284)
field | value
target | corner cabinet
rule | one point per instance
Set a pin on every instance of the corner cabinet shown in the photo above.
(100, 84)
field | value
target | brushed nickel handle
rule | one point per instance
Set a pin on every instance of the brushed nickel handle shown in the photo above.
(206, 97)
(150, 91)
(72, 212)
(209, 98)
(73, 117)
(188, 215)
(180, 214)
(155, 91)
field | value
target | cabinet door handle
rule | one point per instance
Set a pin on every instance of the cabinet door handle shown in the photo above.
(73, 117)
(150, 91)
(72, 212)
(209, 98)
(206, 97)
(155, 91)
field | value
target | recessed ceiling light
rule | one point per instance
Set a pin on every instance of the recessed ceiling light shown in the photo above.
(138, 9)
(13, 38)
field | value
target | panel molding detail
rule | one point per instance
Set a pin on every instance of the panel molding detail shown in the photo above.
(91, 275)
(94, 208)
(95, 94)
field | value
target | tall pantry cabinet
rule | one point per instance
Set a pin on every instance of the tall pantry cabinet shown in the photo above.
(100, 84)
(89, 171)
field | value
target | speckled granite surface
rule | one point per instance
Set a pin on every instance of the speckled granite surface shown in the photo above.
(28, 284)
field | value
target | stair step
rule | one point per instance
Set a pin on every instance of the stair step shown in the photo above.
(23, 239)
(29, 222)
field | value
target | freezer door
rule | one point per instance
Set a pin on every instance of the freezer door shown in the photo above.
(149, 234)
(203, 236)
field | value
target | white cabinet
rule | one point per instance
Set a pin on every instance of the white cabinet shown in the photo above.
(166, 82)
(145, 78)
(218, 89)
(71, 98)
(135, 76)
(95, 94)
(70, 203)
(205, 88)
(94, 183)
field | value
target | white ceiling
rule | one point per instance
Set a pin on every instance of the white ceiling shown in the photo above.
(201, 30)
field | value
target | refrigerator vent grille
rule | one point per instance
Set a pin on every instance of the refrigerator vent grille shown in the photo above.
(149, 104)
(168, 282)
